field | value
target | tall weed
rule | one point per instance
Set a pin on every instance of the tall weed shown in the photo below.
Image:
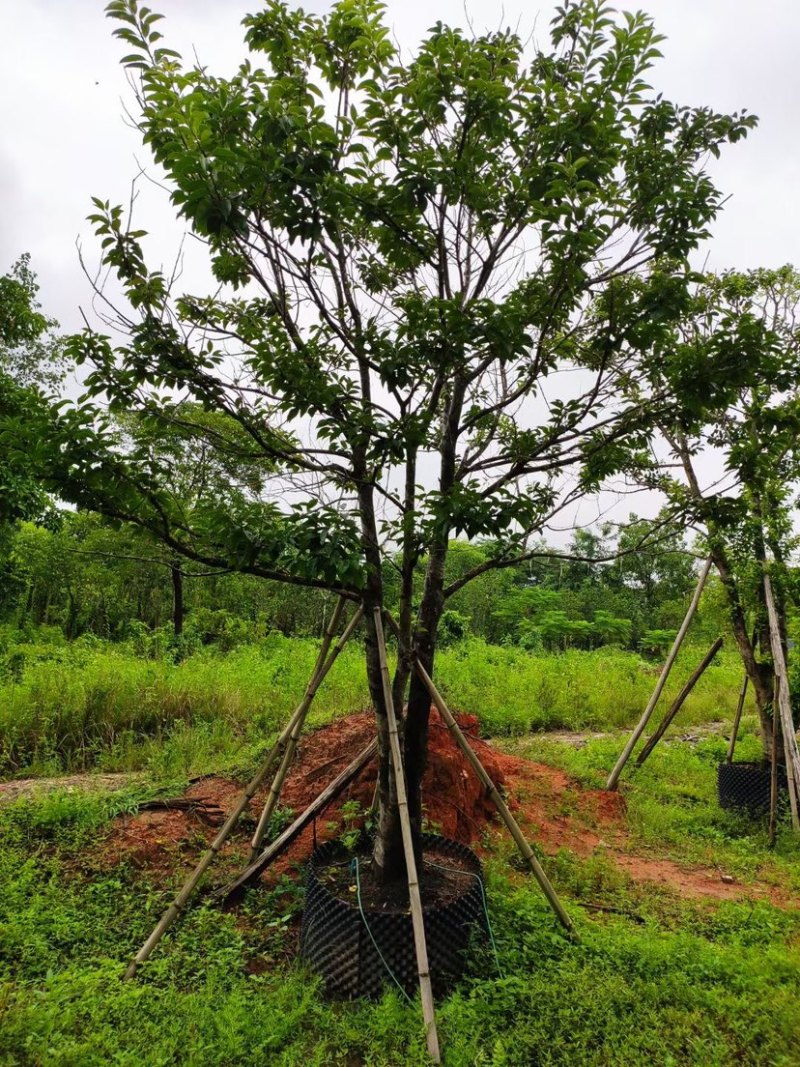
(94, 704)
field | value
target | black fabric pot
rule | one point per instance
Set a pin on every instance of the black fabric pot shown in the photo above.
(336, 941)
(745, 787)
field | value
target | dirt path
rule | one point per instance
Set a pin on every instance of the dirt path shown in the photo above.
(579, 738)
(71, 783)
(21, 787)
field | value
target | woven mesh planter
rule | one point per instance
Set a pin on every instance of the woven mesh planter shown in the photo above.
(336, 943)
(745, 787)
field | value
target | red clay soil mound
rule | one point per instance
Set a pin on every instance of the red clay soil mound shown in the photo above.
(456, 804)
(554, 810)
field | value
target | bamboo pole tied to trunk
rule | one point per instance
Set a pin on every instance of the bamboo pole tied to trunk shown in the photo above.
(415, 900)
(502, 808)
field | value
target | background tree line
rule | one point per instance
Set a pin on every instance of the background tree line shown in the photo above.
(83, 575)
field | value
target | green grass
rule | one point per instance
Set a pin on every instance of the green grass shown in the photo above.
(516, 692)
(672, 804)
(714, 986)
(661, 980)
(101, 706)
(96, 705)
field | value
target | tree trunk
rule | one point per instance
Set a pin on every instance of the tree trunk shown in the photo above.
(388, 848)
(410, 556)
(761, 675)
(430, 612)
(415, 741)
(72, 615)
(177, 599)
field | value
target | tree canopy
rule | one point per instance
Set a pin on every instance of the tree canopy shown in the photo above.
(731, 365)
(418, 322)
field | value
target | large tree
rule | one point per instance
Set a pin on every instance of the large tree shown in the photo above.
(31, 356)
(406, 251)
(727, 451)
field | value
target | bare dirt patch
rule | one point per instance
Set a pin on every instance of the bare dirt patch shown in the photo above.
(554, 809)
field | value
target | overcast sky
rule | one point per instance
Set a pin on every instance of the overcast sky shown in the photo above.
(63, 136)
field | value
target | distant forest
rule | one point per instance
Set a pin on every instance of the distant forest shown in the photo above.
(81, 575)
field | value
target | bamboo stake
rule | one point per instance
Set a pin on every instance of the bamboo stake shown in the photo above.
(189, 886)
(791, 780)
(791, 753)
(321, 669)
(500, 804)
(677, 704)
(282, 842)
(773, 772)
(737, 719)
(415, 900)
(648, 711)
(208, 857)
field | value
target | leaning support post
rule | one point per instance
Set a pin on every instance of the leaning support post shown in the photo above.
(662, 681)
(791, 753)
(321, 669)
(737, 719)
(677, 704)
(414, 898)
(500, 804)
(282, 842)
(773, 771)
(208, 857)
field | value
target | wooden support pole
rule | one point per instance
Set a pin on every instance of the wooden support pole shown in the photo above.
(208, 857)
(499, 803)
(648, 711)
(737, 719)
(321, 669)
(414, 898)
(773, 771)
(282, 842)
(791, 753)
(677, 704)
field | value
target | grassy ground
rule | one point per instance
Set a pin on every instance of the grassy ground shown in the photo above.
(661, 979)
(94, 705)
